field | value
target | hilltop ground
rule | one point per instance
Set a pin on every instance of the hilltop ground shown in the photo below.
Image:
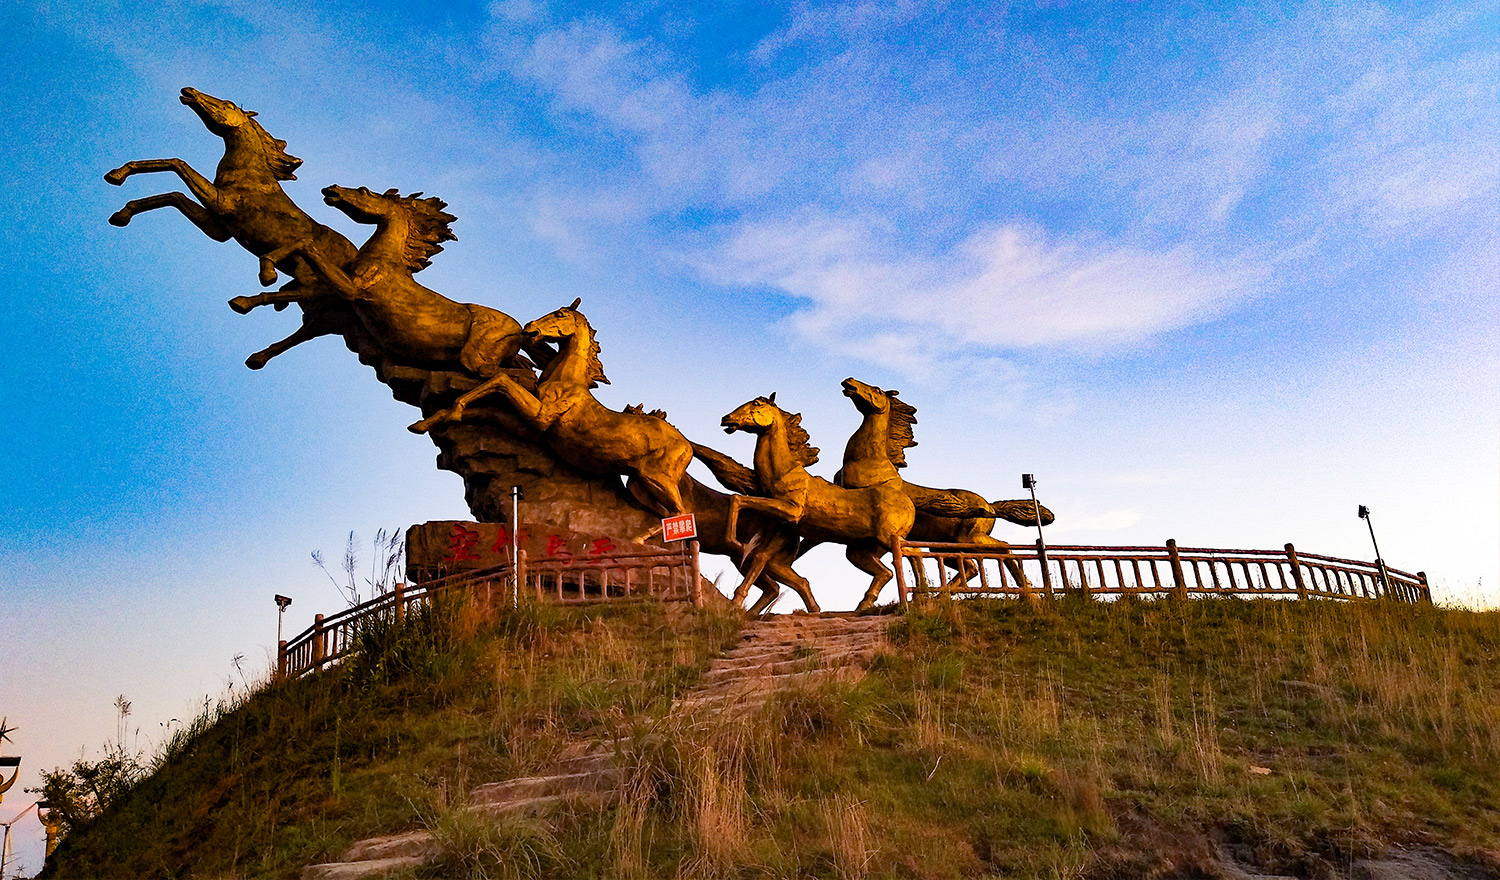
(1212, 738)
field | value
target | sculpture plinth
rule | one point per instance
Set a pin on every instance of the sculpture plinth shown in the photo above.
(492, 450)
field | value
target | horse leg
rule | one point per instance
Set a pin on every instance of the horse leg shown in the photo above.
(782, 572)
(243, 304)
(207, 223)
(526, 404)
(866, 558)
(318, 261)
(200, 186)
(299, 336)
(770, 591)
(782, 509)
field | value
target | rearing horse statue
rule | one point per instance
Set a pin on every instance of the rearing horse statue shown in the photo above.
(411, 323)
(651, 454)
(867, 521)
(245, 202)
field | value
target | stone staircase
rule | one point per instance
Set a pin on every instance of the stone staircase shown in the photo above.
(784, 651)
(773, 653)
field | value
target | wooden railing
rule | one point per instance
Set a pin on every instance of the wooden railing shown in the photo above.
(667, 575)
(1035, 570)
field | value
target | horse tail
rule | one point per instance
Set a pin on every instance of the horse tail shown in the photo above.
(735, 476)
(950, 503)
(1021, 512)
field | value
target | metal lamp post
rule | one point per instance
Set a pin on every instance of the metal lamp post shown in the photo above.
(1028, 481)
(281, 603)
(515, 546)
(1385, 583)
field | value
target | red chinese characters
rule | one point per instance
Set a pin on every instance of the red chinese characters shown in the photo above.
(461, 545)
(599, 547)
(502, 539)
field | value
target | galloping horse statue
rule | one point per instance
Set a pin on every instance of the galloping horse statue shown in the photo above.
(651, 454)
(245, 202)
(867, 521)
(878, 448)
(411, 323)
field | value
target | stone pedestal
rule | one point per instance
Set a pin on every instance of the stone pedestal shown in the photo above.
(493, 450)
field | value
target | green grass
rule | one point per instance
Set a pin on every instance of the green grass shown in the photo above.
(1083, 739)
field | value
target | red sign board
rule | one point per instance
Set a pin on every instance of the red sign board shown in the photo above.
(679, 528)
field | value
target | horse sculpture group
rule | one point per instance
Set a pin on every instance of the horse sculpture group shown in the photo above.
(545, 372)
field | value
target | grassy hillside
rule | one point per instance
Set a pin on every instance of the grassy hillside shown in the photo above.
(1131, 739)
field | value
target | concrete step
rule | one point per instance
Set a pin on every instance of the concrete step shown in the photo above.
(531, 787)
(804, 642)
(418, 844)
(358, 870)
(716, 677)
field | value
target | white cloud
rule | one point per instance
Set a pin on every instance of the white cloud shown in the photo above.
(1007, 286)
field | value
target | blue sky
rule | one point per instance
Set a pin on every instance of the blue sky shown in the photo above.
(1217, 273)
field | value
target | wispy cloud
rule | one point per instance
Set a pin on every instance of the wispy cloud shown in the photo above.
(1006, 286)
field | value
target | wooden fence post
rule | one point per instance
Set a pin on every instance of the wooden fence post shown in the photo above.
(1041, 554)
(1291, 555)
(320, 643)
(1425, 596)
(897, 558)
(281, 659)
(697, 588)
(1179, 582)
(400, 592)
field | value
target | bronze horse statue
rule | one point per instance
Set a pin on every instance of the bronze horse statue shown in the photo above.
(878, 448)
(651, 454)
(245, 202)
(867, 521)
(411, 323)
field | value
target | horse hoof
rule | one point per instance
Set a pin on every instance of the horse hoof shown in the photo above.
(242, 304)
(255, 361)
(281, 306)
(120, 218)
(268, 276)
(422, 426)
(115, 177)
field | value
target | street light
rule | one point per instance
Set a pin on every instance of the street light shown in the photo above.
(13, 763)
(1028, 481)
(281, 603)
(50, 821)
(1364, 514)
(515, 557)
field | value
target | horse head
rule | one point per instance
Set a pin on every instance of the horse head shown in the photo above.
(425, 222)
(754, 416)
(561, 324)
(228, 120)
(362, 204)
(867, 398)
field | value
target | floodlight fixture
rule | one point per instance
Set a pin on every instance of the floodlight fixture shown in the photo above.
(1028, 481)
(281, 603)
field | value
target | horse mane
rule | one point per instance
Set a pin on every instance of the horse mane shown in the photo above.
(429, 227)
(596, 367)
(283, 164)
(899, 434)
(797, 438)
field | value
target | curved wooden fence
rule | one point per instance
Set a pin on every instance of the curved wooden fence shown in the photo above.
(668, 575)
(1169, 570)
